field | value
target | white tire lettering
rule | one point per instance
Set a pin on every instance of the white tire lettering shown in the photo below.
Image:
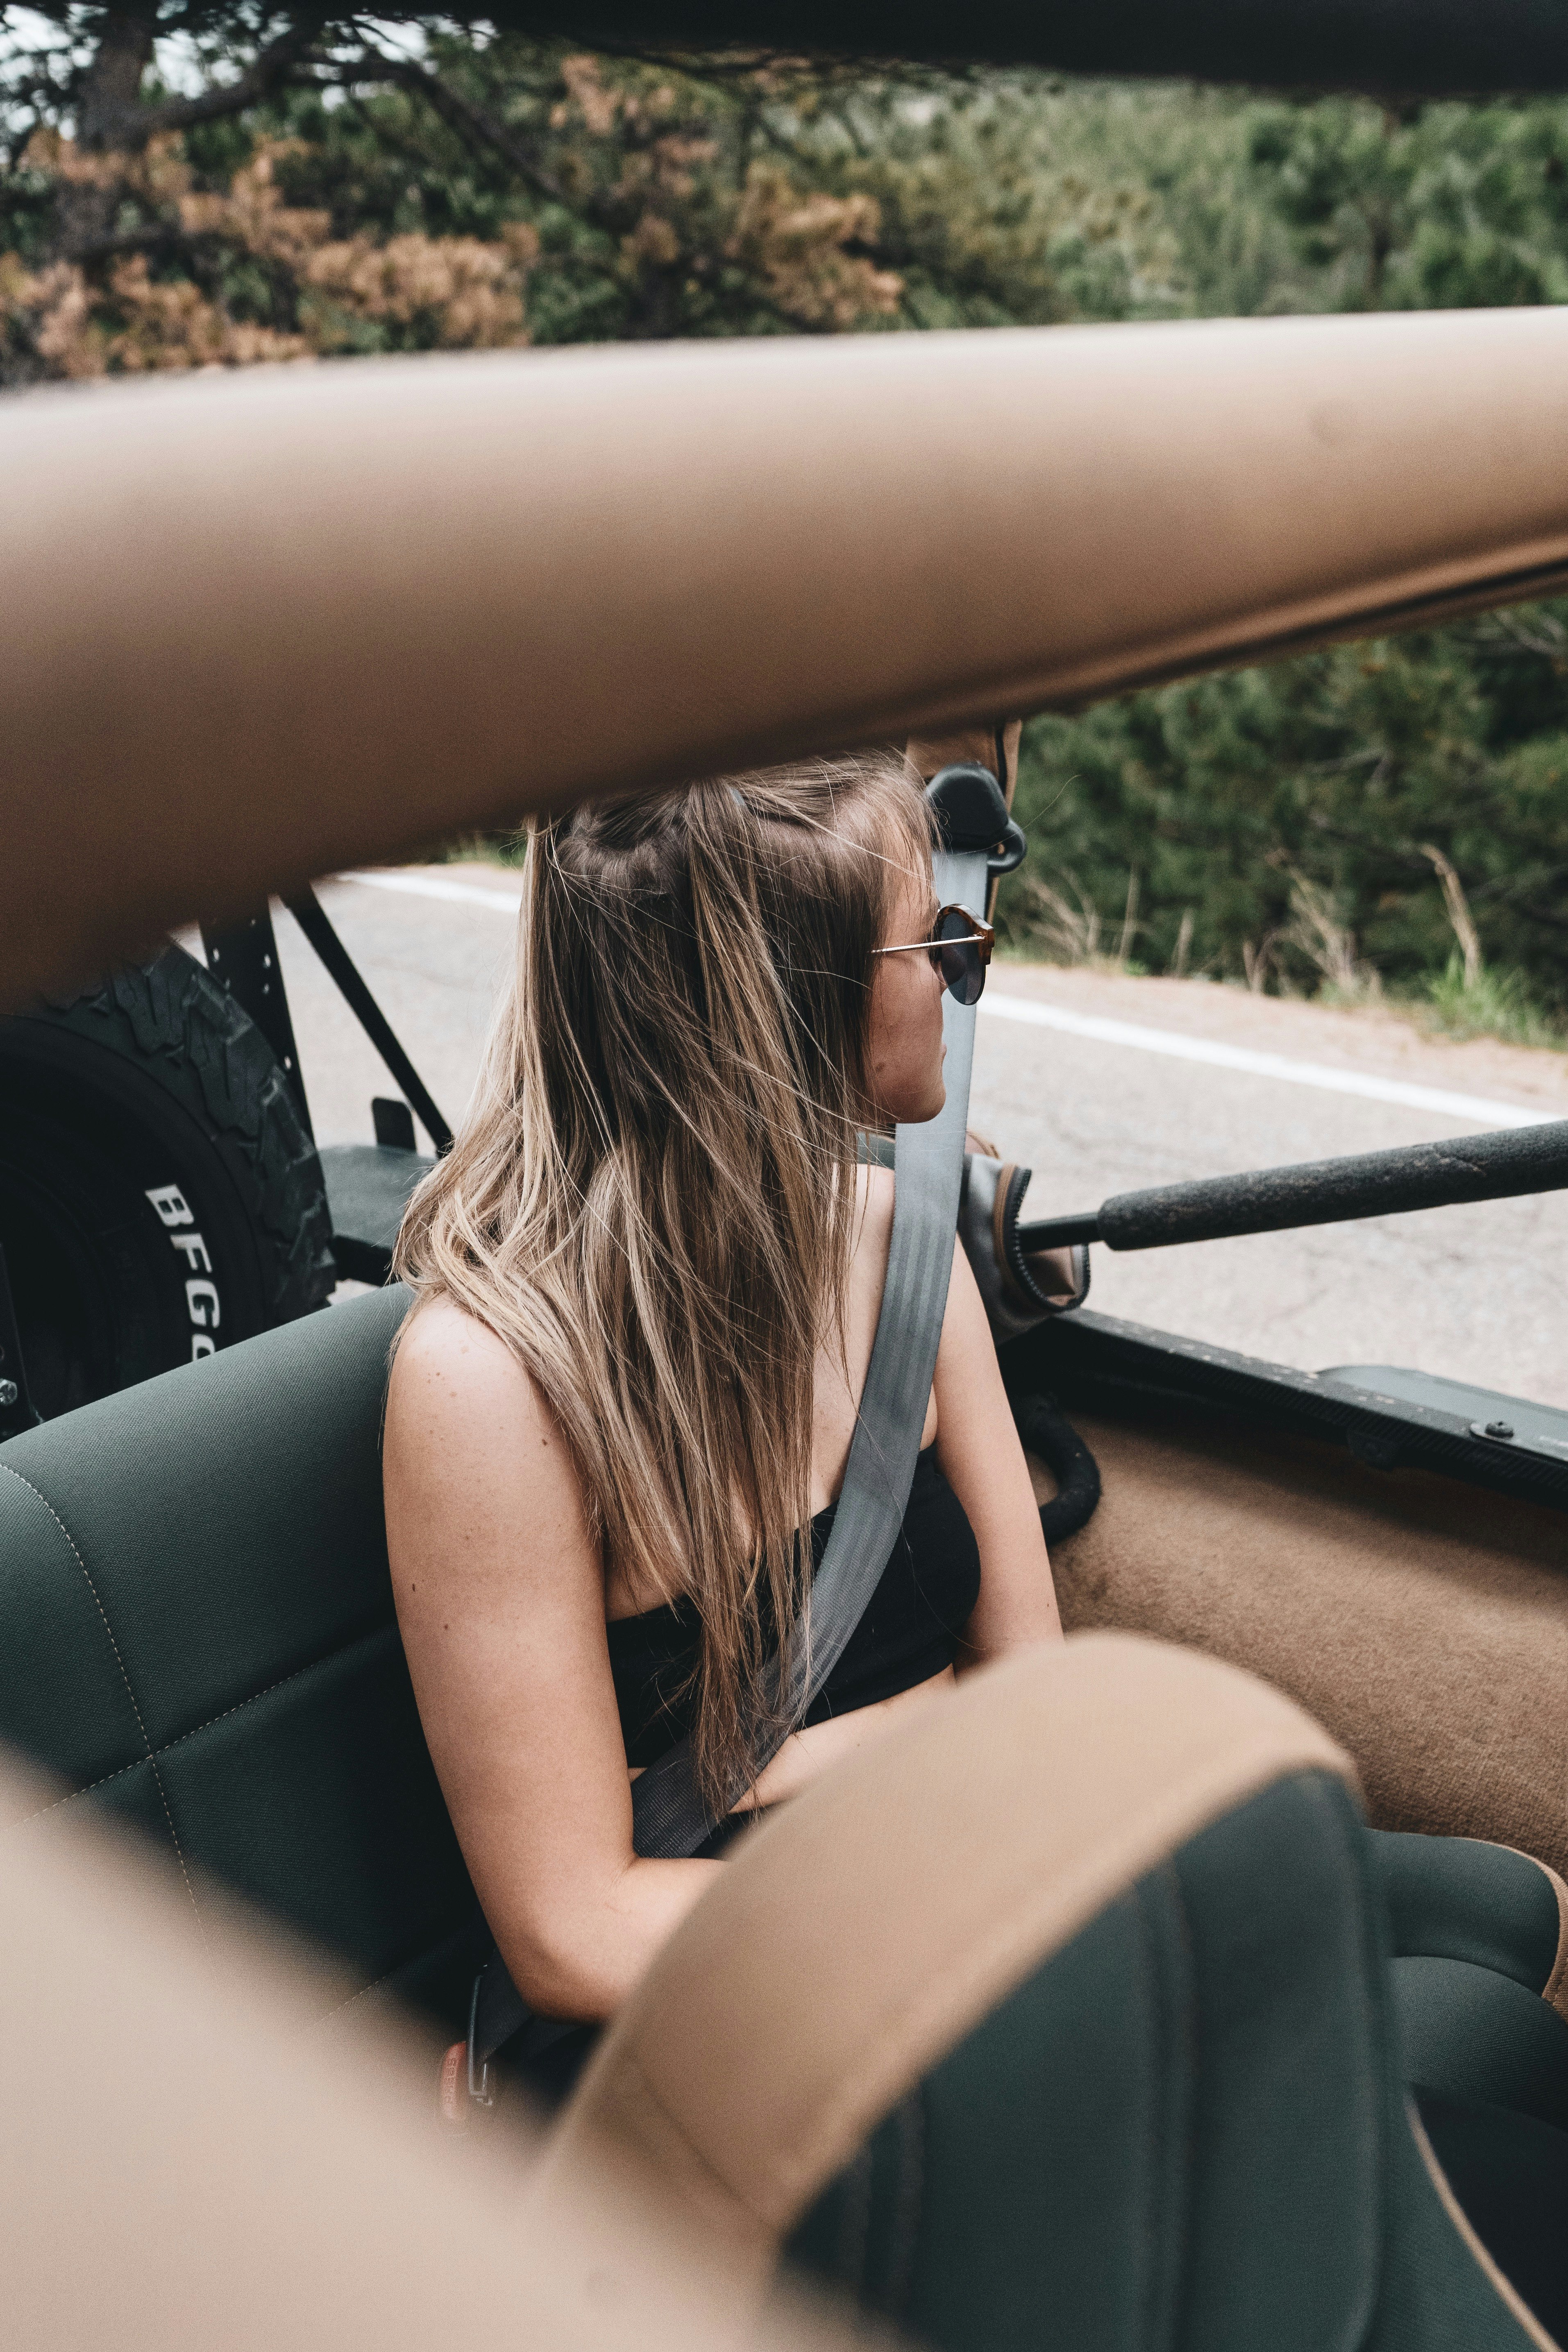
(170, 1203)
(200, 1295)
(202, 1301)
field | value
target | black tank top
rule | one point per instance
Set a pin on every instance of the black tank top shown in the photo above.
(910, 1629)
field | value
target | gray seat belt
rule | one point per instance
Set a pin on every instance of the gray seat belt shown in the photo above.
(670, 1817)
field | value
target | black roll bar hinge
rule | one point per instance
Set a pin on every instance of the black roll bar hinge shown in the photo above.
(972, 814)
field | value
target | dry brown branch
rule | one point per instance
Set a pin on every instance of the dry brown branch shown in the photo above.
(1130, 924)
(475, 125)
(1069, 934)
(1458, 909)
(1257, 962)
(129, 128)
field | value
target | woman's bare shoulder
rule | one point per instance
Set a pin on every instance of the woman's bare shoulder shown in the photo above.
(442, 1338)
(457, 1384)
(479, 1483)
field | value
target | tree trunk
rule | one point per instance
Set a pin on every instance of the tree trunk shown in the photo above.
(113, 82)
(109, 91)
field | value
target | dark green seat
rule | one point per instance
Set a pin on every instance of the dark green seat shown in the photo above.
(1186, 2133)
(1456, 1898)
(1476, 1934)
(198, 1633)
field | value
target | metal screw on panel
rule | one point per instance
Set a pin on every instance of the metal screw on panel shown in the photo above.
(1499, 1429)
(9, 1393)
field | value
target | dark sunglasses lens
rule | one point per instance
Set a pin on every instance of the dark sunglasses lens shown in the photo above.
(959, 958)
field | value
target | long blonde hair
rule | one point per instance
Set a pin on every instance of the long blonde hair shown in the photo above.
(651, 1199)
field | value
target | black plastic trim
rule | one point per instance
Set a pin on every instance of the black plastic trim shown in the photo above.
(1085, 1360)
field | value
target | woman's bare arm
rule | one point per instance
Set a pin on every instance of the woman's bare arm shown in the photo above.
(984, 1462)
(500, 1601)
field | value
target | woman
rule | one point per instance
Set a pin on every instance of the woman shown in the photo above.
(648, 1275)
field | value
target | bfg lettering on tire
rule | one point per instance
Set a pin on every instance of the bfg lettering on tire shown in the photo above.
(160, 1197)
(201, 1296)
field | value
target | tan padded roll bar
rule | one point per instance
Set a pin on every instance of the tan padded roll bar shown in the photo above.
(263, 625)
(854, 1940)
(191, 2160)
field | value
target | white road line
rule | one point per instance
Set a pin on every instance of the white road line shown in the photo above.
(1478, 1110)
(425, 885)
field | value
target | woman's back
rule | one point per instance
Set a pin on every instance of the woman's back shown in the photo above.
(651, 1271)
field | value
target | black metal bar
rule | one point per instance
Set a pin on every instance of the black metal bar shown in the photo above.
(1098, 1364)
(243, 959)
(1398, 50)
(17, 1410)
(1497, 1165)
(311, 916)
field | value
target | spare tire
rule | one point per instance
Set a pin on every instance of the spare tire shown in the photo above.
(160, 1194)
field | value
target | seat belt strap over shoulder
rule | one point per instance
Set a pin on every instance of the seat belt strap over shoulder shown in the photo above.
(928, 1174)
(670, 1817)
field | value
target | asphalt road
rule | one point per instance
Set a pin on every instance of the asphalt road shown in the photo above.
(1477, 1293)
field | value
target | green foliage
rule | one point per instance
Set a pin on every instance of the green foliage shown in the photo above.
(963, 196)
(1270, 824)
(1284, 816)
(1441, 206)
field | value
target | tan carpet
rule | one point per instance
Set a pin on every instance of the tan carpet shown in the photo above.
(1425, 1623)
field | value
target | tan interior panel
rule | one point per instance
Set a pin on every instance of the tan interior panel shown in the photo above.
(1425, 1623)
(263, 625)
(975, 745)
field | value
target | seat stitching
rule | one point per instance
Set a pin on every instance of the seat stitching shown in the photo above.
(196, 1729)
(69, 1796)
(421, 1951)
(125, 1677)
(338, 2007)
(326, 1659)
(1349, 1845)
(1555, 1991)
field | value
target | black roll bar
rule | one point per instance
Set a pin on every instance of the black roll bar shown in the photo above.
(1497, 1165)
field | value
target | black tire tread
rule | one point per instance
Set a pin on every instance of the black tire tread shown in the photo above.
(174, 1014)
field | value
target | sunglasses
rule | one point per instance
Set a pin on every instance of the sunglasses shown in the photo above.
(960, 950)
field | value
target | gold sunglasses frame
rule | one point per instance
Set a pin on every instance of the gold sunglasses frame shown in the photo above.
(983, 935)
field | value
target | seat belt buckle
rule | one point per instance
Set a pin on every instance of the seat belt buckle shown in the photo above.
(452, 2101)
(479, 2086)
(465, 2080)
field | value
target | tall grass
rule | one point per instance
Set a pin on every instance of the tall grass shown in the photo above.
(1488, 1001)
